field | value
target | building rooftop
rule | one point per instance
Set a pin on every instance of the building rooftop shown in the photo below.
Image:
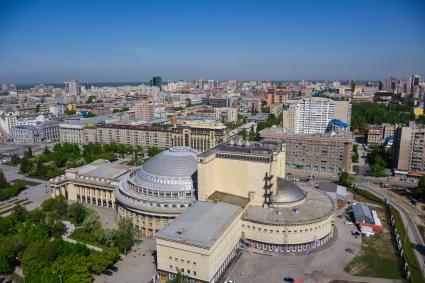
(264, 148)
(103, 169)
(287, 193)
(201, 225)
(315, 206)
(171, 170)
(229, 198)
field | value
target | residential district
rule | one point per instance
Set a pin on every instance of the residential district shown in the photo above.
(213, 181)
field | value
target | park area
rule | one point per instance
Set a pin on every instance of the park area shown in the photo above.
(32, 243)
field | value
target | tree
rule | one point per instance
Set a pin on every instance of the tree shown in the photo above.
(3, 181)
(57, 206)
(345, 179)
(14, 159)
(420, 189)
(179, 278)
(19, 214)
(28, 153)
(125, 235)
(77, 212)
(46, 150)
(243, 134)
(24, 165)
(153, 150)
(7, 257)
(66, 267)
(37, 108)
(91, 222)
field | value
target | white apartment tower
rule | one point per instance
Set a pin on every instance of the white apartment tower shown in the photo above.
(312, 115)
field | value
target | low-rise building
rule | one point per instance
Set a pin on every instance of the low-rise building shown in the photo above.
(41, 133)
(378, 134)
(92, 184)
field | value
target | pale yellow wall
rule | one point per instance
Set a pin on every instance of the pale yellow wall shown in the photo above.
(279, 234)
(238, 177)
(205, 262)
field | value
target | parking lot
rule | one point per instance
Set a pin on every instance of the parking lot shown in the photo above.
(322, 266)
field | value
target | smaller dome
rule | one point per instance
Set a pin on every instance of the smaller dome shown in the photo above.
(287, 194)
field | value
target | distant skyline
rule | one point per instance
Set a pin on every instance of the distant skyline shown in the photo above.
(101, 41)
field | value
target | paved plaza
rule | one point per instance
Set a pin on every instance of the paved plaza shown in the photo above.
(322, 266)
(136, 267)
(37, 192)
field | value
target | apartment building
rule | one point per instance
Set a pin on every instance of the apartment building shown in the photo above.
(409, 148)
(312, 115)
(144, 136)
(377, 134)
(226, 114)
(315, 152)
(144, 109)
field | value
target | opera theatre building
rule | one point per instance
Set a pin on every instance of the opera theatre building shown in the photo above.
(201, 208)
(243, 200)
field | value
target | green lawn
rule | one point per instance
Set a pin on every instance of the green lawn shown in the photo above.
(378, 256)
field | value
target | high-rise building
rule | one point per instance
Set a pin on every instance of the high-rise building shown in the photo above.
(210, 84)
(72, 87)
(312, 115)
(157, 81)
(409, 148)
(144, 109)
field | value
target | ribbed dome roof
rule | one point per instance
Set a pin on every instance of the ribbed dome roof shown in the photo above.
(287, 193)
(179, 161)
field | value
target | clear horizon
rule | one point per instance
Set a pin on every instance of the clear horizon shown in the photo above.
(131, 41)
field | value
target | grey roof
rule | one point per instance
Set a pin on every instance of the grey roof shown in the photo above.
(328, 187)
(315, 206)
(229, 198)
(103, 169)
(362, 212)
(287, 193)
(201, 225)
(177, 161)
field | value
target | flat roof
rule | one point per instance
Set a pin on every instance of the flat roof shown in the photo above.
(201, 225)
(229, 198)
(103, 169)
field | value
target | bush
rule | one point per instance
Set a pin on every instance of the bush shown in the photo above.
(11, 190)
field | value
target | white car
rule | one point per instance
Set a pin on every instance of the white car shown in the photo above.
(348, 222)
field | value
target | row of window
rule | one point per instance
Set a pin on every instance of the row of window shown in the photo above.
(156, 204)
(182, 270)
(295, 231)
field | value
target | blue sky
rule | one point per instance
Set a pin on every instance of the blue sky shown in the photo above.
(54, 41)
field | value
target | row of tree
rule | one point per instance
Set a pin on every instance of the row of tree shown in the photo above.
(51, 163)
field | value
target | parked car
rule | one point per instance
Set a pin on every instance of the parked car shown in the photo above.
(355, 233)
(351, 251)
(348, 222)
(289, 279)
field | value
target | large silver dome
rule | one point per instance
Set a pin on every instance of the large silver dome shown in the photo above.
(171, 170)
(287, 194)
(179, 161)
